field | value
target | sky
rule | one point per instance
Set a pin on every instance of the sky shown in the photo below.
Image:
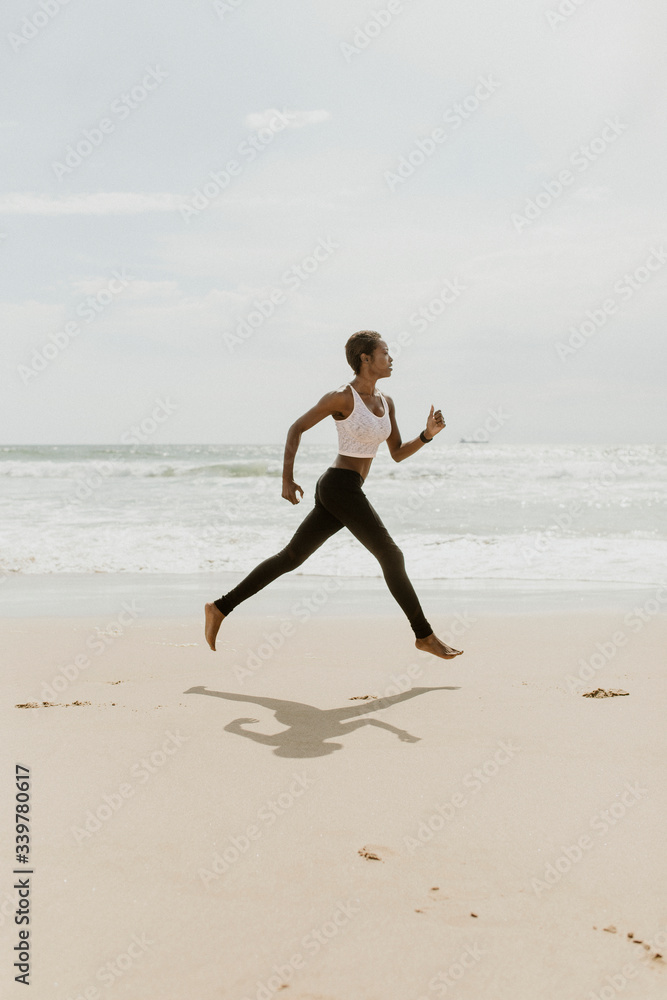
(201, 202)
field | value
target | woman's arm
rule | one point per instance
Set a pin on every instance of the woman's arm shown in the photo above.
(329, 404)
(398, 451)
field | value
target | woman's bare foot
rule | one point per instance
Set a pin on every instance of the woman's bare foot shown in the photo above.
(212, 624)
(431, 644)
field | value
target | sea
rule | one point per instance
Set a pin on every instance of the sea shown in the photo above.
(467, 511)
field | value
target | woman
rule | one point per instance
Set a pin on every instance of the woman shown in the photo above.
(364, 418)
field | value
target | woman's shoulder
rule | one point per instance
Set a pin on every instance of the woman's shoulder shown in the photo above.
(342, 400)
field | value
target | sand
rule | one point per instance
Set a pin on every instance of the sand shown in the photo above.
(332, 815)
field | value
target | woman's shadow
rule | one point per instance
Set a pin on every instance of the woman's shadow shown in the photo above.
(308, 727)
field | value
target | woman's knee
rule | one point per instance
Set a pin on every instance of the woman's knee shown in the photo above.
(391, 557)
(292, 556)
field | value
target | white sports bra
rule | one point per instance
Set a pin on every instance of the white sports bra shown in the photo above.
(360, 434)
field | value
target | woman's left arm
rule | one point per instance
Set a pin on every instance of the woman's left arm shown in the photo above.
(397, 449)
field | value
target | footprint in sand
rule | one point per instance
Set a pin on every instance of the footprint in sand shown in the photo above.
(374, 852)
(656, 956)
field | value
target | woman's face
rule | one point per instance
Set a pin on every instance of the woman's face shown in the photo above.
(381, 362)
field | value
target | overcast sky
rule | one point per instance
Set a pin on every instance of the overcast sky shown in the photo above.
(375, 162)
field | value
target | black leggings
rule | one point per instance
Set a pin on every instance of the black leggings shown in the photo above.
(340, 502)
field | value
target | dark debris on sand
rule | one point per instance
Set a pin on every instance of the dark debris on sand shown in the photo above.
(601, 693)
(51, 704)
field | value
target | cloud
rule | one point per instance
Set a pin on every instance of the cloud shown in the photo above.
(298, 119)
(100, 203)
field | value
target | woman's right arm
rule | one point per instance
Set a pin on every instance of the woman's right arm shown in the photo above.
(328, 405)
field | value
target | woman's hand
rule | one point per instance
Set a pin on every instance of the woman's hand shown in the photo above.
(434, 423)
(290, 489)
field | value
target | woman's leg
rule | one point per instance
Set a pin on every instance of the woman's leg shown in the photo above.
(313, 531)
(341, 494)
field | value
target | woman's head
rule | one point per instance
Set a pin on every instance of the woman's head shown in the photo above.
(360, 348)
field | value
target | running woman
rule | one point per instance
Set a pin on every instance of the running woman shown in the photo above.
(364, 418)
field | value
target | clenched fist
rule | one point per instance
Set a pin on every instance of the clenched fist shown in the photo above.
(290, 490)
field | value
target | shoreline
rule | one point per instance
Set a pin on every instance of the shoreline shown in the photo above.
(65, 595)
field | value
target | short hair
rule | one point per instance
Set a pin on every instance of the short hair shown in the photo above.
(363, 342)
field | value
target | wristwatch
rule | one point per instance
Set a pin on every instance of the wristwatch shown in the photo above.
(422, 437)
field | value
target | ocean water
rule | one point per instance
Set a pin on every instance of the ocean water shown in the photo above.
(459, 511)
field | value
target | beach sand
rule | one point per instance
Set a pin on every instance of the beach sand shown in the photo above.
(470, 831)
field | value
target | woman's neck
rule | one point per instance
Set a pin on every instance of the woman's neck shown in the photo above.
(365, 385)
